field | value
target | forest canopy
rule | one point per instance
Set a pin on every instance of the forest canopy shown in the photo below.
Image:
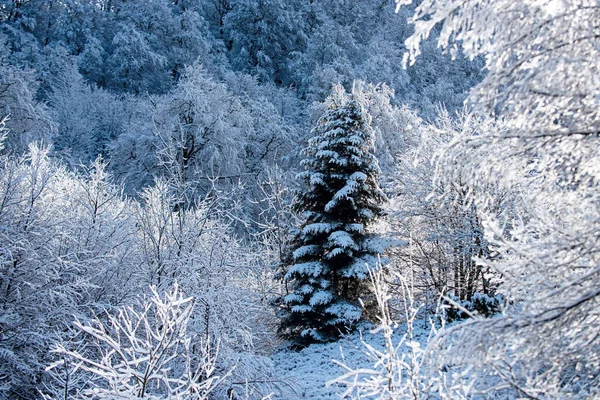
(193, 190)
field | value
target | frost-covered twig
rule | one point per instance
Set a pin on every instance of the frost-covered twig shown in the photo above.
(396, 371)
(146, 353)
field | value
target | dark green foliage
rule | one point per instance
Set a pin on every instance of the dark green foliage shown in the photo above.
(329, 255)
(480, 304)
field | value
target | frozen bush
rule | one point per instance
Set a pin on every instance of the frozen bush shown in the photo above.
(145, 352)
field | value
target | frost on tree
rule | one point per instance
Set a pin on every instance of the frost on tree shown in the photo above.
(542, 151)
(328, 261)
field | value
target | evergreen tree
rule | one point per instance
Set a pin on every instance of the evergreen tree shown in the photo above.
(329, 255)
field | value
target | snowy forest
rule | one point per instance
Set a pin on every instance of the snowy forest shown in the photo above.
(299, 199)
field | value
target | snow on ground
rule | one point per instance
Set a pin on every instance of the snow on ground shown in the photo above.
(309, 370)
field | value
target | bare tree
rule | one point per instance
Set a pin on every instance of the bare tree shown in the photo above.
(542, 88)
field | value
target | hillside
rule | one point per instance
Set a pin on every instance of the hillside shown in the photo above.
(211, 199)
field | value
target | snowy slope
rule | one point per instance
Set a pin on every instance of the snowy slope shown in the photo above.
(309, 370)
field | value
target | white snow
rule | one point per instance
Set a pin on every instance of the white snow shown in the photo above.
(301, 308)
(359, 267)
(313, 268)
(305, 289)
(316, 179)
(358, 177)
(355, 228)
(342, 239)
(320, 297)
(353, 182)
(335, 252)
(345, 311)
(317, 228)
(303, 251)
(292, 297)
(365, 212)
(309, 370)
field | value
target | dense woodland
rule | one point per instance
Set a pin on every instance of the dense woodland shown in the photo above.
(188, 187)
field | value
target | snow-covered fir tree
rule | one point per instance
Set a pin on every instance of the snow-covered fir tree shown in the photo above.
(329, 255)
